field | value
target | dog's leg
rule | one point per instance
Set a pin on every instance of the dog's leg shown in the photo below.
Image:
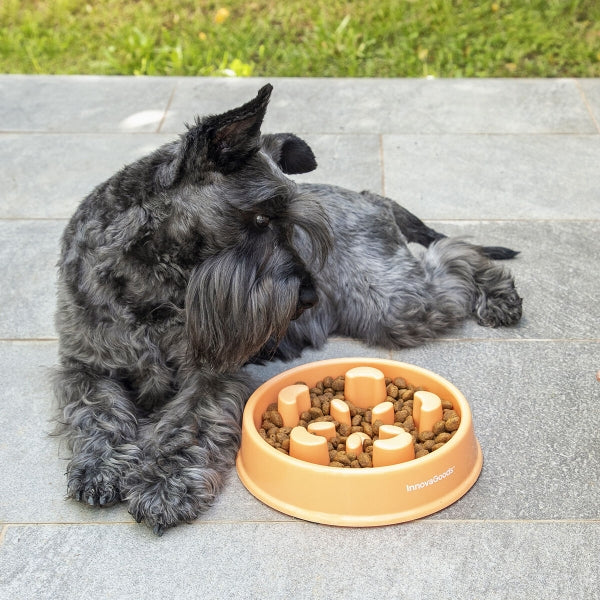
(188, 451)
(497, 302)
(454, 280)
(457, 268)
(99, 424)
(406, 300)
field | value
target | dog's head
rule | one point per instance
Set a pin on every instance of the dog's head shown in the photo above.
(247, 238)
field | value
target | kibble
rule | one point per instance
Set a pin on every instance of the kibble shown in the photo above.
(452, 423)
(399, 392)
(425, 436)
(439, 427)
(442, 438)
(364, 459)
(392, 391)
(338, 384)
(400, 415)
(315, 412)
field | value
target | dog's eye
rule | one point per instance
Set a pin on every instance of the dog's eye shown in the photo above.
(261, 221)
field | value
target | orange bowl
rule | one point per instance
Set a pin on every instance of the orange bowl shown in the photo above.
(358, 497)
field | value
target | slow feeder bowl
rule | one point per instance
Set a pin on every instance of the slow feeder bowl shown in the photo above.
(365, 497)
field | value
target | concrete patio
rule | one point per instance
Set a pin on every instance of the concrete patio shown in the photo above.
(506, 162)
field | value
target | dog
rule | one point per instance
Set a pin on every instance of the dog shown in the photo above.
(203, 257)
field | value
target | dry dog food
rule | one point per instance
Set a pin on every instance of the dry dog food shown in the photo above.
(399, 392)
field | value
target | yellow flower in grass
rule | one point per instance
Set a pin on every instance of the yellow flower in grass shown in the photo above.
(221, 15)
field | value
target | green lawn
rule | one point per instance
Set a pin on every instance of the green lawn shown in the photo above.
(376, 38)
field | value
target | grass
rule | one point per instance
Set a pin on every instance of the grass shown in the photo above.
(333, 38)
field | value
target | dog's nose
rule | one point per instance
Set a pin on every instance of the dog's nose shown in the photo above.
(307, 297)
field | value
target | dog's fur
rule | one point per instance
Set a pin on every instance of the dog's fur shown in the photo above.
(203, 256)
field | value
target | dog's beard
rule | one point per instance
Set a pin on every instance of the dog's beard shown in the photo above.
(233, 309)
(243, 299)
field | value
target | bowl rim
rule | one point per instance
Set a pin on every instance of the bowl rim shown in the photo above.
(463, 449)
(465, 413)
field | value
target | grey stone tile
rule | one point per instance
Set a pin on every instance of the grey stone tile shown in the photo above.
(47, 175)
(426, 560)
(351, 161)
(535, 407)
(33, 484)
(558, 287)
(28, 251)
(90, 103)
(556, 275)
(591, 91)
(501, 106)
(83, 103)
(394, 105)
(532, 406)
(494, 177)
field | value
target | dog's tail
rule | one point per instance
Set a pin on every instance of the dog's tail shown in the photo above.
(414, 230)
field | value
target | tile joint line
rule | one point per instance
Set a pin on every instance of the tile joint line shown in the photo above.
(382, 164)
(166, 111)
(587, 104)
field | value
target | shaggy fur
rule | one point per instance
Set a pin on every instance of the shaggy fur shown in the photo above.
(203, 256)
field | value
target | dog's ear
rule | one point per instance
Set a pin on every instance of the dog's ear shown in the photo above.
(222, 142)
(235, 135)
(292, 154)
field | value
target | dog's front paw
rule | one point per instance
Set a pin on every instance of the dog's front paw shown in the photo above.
(166, 494)
(93, 482)
(500, 309)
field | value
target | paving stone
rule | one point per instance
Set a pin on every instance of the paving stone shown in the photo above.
(555, 273)
(28, 253)
(83, 103)
(494, 177)
(91, 103)
(47, 175)
(532, 403)
(394, 105)
(559, 288)
(350, 161)
(426, 560)
(515, 422)
(33, 484)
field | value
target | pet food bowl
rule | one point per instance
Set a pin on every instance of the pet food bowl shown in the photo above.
(358, 497)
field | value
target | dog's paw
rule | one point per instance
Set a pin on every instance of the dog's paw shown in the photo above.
(167, 495)
(93, 483)
(500, 309)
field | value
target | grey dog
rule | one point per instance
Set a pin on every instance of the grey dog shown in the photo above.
(203, 256)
